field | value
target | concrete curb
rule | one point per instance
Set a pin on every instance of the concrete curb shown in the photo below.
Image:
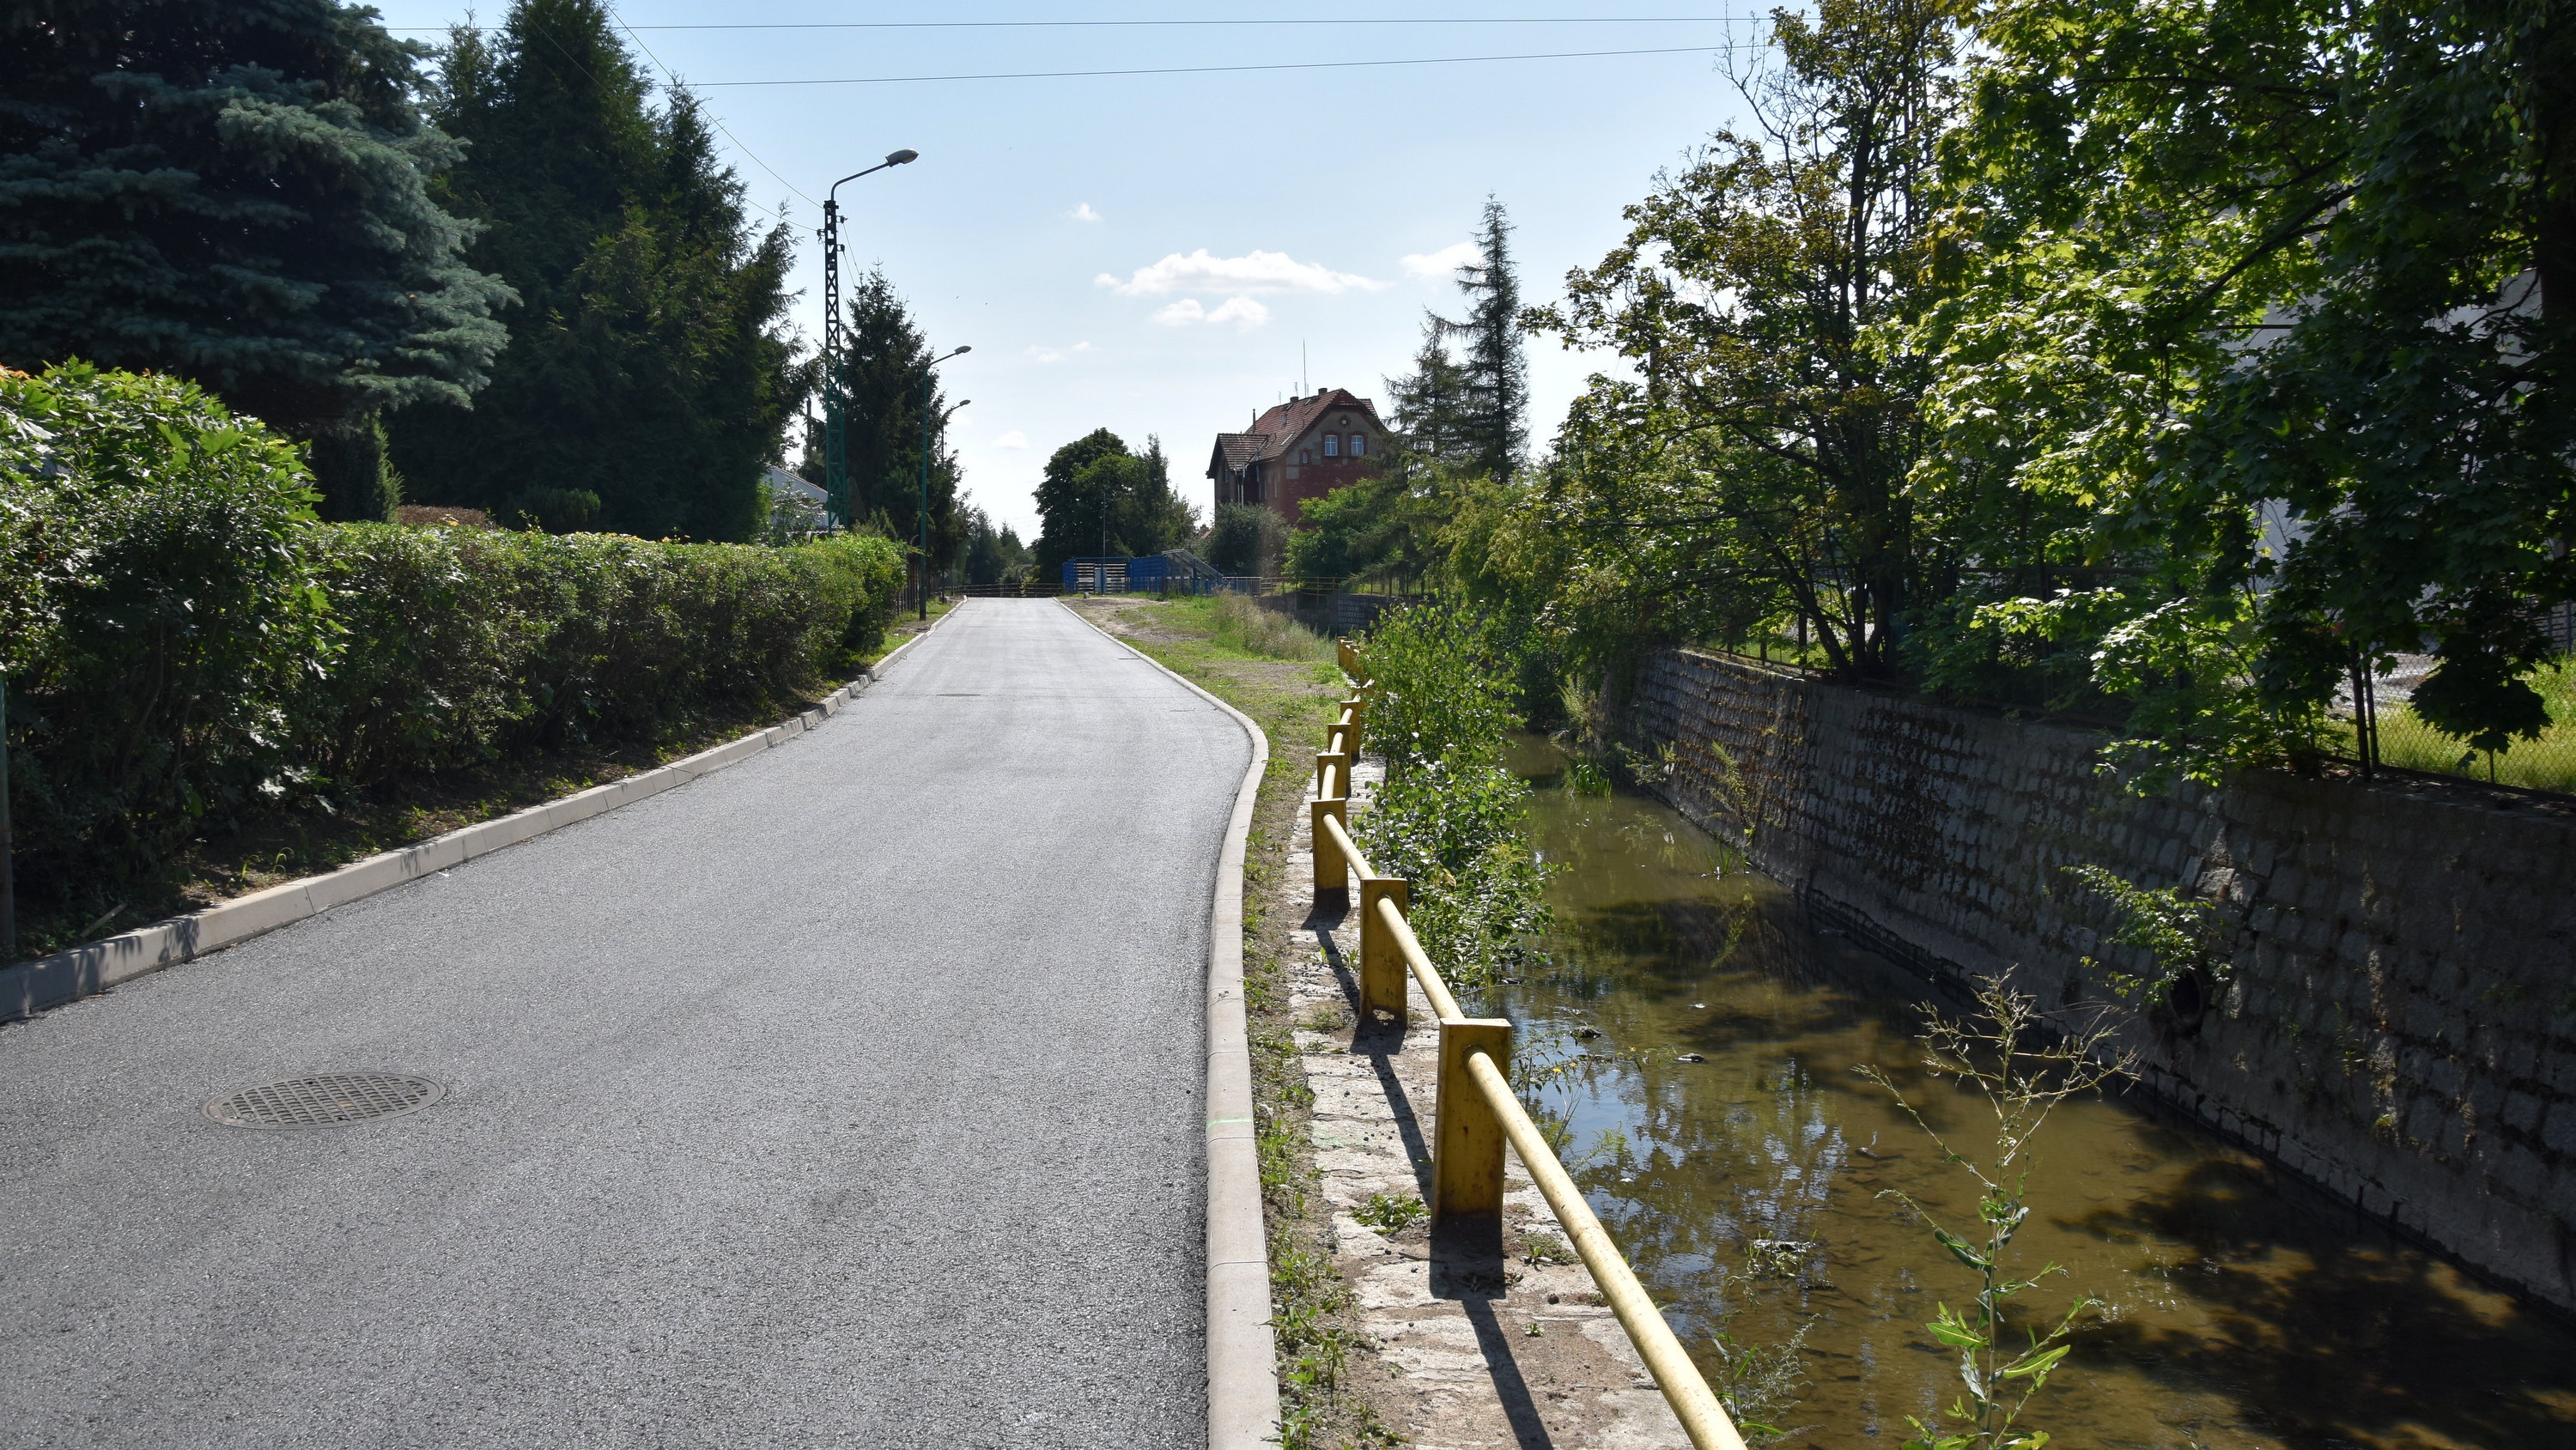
(85, 971)
(1242, 1354)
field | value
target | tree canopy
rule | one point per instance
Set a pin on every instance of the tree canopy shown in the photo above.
(649, 375)
(1098, 498)
(241, 195)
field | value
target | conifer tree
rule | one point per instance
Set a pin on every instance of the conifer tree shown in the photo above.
(883, 357)
(1471, 410)
(647, 380)
(1495, 374)
(240, 195)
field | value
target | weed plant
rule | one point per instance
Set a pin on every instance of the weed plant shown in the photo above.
(1246, 626)
(2023, 1068)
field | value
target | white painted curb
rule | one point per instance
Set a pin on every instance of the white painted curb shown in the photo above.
(48, 982)
(1242, 1354)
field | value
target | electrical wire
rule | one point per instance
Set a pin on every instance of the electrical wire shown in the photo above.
(1122, 24)
(674, 79)
(1191, 70)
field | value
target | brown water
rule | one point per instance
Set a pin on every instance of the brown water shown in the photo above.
(2242, 1310)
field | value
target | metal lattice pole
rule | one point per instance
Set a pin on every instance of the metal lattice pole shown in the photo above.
(836, 440)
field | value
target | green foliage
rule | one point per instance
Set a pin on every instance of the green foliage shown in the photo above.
(2023, 1067)
(238, 194)
(2177, 931)
(1758, 466)
(1391, 1214)
(2254, 300)
(157, 609)
(1449, 817)
(1442, 688)
(889, 391)
(184, 639)
(649, 373)
(465, 645)
(1457, 832)
(1245, 539)
(1243, 625)
(993, 555)
(1386, 527)
(1471, 412)
(1096, 497)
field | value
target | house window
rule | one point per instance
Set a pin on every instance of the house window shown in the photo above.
(1332, 445)
(1359, 445)
(1305, 455)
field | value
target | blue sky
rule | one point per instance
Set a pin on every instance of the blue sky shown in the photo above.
(1150, 253)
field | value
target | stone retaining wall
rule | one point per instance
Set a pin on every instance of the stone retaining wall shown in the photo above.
(2398, 1018)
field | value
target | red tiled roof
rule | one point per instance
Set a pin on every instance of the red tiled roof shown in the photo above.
(1286, 423)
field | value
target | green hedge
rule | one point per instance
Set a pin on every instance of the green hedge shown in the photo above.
(182, 637)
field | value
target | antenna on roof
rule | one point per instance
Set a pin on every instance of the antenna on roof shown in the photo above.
(1303, 377)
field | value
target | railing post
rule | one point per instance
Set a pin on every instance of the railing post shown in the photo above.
(1382, 971)
(1467, 1143)
(1332, 868)
(1326, 762)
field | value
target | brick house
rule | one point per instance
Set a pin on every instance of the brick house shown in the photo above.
(1304, 448)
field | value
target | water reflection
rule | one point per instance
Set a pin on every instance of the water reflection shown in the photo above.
(2240, 1310)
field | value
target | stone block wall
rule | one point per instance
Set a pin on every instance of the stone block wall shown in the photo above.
(2397, 1021)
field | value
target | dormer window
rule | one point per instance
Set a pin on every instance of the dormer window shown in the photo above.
(1332, 445)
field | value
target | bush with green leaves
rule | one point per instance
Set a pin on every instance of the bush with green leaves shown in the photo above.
(158, 608)
(1449, 817)
(1443, 687)
(182, 638)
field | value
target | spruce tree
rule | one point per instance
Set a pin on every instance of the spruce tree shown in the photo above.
(239, 195)
(1471, 410)
(647, 379)
(1494, 374)
(884, 359)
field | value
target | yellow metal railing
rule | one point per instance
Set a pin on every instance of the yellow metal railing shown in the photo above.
(1476, 1112)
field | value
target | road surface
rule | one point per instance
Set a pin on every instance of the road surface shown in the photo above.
(848, 1096)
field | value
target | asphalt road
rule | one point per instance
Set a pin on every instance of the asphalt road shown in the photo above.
(849, 1096)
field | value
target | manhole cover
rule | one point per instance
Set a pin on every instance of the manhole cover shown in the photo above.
(326, 1100)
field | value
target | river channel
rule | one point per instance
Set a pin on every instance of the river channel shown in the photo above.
(2239, 1308)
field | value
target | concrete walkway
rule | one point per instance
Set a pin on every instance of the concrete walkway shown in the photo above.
(849, 1096)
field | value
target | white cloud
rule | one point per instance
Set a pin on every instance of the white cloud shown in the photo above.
(1255, 271)
(1084, 213)
(1013, 439)
(1442, 263)
(1056, 354)
(1243, 312)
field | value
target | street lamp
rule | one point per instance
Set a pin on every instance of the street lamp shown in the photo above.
(836, 448)
(921, 516)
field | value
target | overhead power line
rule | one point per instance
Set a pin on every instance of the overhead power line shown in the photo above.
(669, 75)
(1119, 24)
(1191, 70)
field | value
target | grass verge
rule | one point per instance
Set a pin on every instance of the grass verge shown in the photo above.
(1285, 680)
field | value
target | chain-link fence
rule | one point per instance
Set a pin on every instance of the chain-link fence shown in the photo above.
(2376, 728)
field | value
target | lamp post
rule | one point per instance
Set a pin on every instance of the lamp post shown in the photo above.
(836, 447)
(921, 515)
